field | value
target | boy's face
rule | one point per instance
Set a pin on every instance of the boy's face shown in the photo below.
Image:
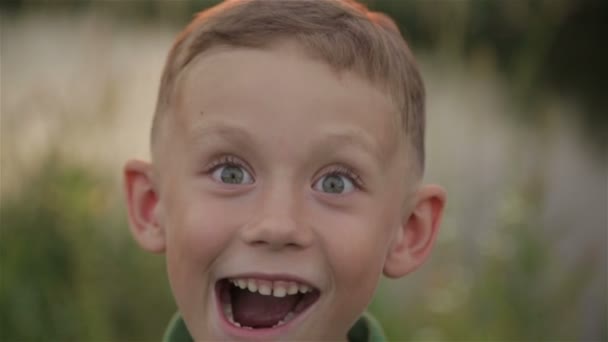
(274, 171)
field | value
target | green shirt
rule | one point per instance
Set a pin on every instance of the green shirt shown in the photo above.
(366, 329)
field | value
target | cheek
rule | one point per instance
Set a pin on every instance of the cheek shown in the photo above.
(359, 255)
(198, 229)
(355, 250)
(355, 246)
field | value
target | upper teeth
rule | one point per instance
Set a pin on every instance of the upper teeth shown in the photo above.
(266, 287)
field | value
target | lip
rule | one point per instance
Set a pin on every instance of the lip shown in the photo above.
(262, 333)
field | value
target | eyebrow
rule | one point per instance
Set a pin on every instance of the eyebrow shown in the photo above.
(351, 137)
(233, 132)
(331, 140)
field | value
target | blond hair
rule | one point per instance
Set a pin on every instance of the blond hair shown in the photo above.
(341, 33)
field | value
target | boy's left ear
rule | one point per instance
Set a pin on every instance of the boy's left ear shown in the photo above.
(416, 236)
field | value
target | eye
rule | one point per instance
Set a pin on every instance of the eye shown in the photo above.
(231, 174)
(334, 183)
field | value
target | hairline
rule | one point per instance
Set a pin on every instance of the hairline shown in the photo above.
(405, 91)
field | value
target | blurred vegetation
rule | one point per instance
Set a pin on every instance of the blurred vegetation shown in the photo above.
(513, 294)
(70, 271)
(538, 45)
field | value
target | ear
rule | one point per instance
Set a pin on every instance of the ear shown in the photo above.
(143, 206)
(415, 237)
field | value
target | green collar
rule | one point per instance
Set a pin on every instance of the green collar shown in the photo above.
(366, 329)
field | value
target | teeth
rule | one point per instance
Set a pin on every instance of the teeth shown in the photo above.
(228, 313)
(279, 291)
(229, 316)
(279, 323)
(268, 288)
(252, 286)
(289, 316)
(264, 289)
(285, 319)
(292, 289)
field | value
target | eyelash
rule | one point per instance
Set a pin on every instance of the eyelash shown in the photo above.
(341, 170)
(226, 160)
(336, 170)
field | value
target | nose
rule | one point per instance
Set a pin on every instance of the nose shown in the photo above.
(276, 224)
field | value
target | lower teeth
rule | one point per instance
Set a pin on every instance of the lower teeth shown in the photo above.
(228, 313)
(290, 315)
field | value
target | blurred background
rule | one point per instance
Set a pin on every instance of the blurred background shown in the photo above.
(517, 133)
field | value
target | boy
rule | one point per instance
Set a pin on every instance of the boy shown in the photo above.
(287, 157)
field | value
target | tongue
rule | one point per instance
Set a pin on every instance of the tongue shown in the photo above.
(258, 311)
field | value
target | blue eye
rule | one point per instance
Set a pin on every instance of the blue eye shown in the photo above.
(231, 174)
(334, 184)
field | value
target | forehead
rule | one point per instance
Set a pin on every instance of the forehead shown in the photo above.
(282, 92)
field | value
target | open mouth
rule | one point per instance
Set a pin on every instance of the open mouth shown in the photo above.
(263, 304)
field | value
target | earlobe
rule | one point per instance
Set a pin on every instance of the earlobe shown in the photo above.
(416, 235)
(143, 206)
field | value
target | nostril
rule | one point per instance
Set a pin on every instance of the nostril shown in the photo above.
(262, 243)
(259, 243)
(276, 233)
(275, 243)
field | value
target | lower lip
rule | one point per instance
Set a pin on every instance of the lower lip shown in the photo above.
(257, 334)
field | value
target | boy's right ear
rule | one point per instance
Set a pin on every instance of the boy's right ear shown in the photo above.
(143, 206)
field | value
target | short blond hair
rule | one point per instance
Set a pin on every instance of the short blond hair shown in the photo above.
(342, 33)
